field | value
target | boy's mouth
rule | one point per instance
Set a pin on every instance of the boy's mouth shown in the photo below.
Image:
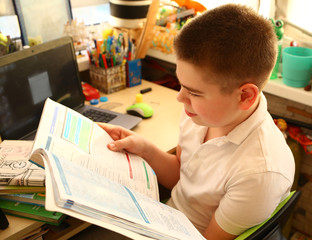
(189, 113)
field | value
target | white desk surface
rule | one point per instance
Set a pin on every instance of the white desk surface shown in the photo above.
(163, 127)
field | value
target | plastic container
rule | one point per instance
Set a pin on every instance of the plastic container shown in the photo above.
(297, 66)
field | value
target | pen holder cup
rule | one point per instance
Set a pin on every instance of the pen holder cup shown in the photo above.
(134, 72)
(297, 66)
(108, 80)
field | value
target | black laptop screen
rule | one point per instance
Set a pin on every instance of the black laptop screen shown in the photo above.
(28, 77)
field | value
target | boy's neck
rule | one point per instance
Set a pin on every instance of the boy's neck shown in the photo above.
(223, 131)
(217, 132)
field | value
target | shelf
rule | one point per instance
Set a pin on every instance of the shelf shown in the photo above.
(275, 87)
(83, 60)
(278, 88)
(161, 56)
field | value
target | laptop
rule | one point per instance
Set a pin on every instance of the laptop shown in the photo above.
(30, 76)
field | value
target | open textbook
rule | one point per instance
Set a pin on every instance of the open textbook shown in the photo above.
(114, 190)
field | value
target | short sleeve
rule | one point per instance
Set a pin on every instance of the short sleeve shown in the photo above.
(250, 200)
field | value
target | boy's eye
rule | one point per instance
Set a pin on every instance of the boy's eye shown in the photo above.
(194, 94)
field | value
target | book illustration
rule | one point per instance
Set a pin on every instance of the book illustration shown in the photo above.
(15, 169)
(77, 131)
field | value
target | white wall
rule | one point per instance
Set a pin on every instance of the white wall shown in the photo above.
(84, 3)
(6, 8)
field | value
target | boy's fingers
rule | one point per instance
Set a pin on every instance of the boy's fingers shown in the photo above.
(128, 143)
(118, 145)
(113, 129)
(105, 126)
(112, 146)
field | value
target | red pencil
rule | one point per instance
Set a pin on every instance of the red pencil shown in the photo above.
(104, 61)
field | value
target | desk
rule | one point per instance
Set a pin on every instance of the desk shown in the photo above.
(162, 129)
(18, 228)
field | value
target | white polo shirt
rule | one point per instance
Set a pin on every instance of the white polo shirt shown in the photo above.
(240, 177)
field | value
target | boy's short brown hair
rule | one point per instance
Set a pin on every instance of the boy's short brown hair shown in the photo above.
(234, 42)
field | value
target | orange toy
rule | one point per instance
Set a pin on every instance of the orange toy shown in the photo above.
(306, 142)
(191, 4)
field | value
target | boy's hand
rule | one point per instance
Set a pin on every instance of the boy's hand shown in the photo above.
(125, 139)
(166, 165)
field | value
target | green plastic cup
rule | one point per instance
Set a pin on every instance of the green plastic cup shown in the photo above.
(297, 66)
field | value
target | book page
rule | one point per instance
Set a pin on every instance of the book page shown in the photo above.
(69, 135)
(95, 196)
(51, 206)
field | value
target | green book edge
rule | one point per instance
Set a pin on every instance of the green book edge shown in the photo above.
(30, 211)
(30, 198)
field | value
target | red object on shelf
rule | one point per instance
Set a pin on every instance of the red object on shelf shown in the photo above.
(294, 44)
(306, 141)
(90, 92)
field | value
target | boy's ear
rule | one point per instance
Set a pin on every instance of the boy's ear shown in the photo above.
(248, 95)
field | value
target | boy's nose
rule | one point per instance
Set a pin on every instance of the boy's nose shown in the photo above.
(181, 96)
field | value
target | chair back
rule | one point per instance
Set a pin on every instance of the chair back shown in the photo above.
(271, 229)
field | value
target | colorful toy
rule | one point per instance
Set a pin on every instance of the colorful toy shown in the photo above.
(282, 125)
(305, 140)
(279, 31)
(90, 92)
(3, 44)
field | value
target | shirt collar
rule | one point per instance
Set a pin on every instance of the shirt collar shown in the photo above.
(241, 131)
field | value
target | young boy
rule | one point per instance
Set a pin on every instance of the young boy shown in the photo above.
(232, 165)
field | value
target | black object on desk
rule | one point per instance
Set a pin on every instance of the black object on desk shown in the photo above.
(145, 90)
(4, 223)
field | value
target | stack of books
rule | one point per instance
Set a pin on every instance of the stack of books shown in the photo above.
(22, 184)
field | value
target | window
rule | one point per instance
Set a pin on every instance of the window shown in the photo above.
(90, 12)
(9, 26)
(8, 20)
(43, 19)
(299, 13)
(297, 18)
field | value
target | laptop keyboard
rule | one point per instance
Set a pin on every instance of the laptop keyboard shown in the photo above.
(98, 116)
